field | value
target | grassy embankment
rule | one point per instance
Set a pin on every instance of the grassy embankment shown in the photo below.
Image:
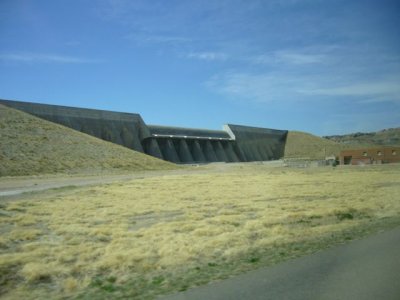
(168, 233)
(33, 146)
(302, 145)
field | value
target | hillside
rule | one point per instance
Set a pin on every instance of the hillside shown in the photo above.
(388, 137)
(31, 146)
(308, 146)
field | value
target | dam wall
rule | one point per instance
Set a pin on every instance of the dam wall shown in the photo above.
(235, 143)
(125, 129)
(189, 145)
(257, 144)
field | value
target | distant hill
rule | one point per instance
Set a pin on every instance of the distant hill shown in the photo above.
(31, 146)
(307, 146)
(387, 137)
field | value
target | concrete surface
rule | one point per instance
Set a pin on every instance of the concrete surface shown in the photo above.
(365, 269)
(257, 144)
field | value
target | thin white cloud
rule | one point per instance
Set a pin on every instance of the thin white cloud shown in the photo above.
(299, 58)
(290, 58)
(45, 58)
(145, 38)
(166, 39)
(210, 56)
(254, 87)
(279, 86)
(385, 88)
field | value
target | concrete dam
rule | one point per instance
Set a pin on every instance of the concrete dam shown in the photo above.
(235, 143)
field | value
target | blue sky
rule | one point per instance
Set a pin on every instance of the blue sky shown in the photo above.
(325, 67)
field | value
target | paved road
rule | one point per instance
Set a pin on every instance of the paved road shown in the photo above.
(364, 269)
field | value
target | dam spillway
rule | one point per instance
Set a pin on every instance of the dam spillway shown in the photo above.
(235, 143)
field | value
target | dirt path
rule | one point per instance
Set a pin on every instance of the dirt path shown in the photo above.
(11, 186)
(15, 186)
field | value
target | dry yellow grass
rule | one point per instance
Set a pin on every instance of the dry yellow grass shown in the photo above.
(31, 146)
(167, 233)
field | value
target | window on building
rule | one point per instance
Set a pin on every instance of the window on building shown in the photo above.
(365, 153)
(347, 160)
(379, 153)
(394, 152)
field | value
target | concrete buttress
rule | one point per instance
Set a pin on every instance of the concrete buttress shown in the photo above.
(170, 151)
(184, 152)
(230, 152)
(209, 152)
(153, 148)
(198, 154)
(220, 152)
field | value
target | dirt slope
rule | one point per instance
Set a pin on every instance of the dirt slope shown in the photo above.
(32, 146)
